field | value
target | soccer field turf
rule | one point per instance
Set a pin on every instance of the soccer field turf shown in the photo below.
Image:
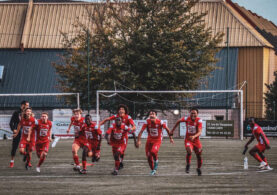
(222, 171)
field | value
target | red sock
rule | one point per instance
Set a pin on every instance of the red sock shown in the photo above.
(150, 162)
(24, 153)
(76, 159)
(257, 157)
(188, 158)
(41, 160)
(117, 163)
(28, 159)
(84, 164)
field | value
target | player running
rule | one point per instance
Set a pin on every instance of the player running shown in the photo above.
(44, 132)
(26, 147)
(115, 137)
(154, 128)
(122, 111)
(93, 141)
(263, 144)
(77, 121)
(192, 141)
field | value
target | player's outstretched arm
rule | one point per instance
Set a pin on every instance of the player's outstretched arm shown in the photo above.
(103, 121)
(140, 133)
(17, 131)
(168, 132)
(50, 134)
(69, 127)
(175, 126)
(249, 142)
(29, 134)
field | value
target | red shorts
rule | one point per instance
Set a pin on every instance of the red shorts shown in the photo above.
(118, 148)
(194, 145)
(82, 143)
(31, 145)
(260, 147)
(42, 147)
(152, 148)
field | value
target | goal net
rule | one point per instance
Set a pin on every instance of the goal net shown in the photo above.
(220, 110)
(55, 104)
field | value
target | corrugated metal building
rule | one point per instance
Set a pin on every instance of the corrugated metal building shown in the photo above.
(252, 58)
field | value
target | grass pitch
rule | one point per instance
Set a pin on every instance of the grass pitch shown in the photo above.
(222, 171)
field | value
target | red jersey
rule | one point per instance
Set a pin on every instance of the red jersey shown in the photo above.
(126, 119)
(192, 126)
(43, 131)
(26, 124)
(154, 130)
(77, 126)
(258, 132)
(118, 134)
(92, 133)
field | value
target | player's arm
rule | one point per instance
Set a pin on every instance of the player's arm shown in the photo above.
(18, 130)
(107, 119)
(175, 126)
(198, 133)
(50, 135)
(133, 124)
(108, 135)
(100, 138)
(140, 133)
(249, 142)
(168, 132)
(13, 122)
(29, 133)
(69, 127)
(265, 142)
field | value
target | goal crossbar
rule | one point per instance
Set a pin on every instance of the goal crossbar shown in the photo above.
(43, 94)
(189, 91)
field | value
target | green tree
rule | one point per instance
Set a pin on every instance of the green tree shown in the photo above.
(146, 45)
(271, 99)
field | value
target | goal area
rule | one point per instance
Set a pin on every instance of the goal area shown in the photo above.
(222, 111)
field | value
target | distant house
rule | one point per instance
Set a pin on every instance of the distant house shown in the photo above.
(36, 27)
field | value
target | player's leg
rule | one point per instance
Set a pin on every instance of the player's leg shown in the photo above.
(122, 155)
(198, 152)
(154, 153)
(150, 159)
(254, 152)
(84, 159)
(43, 150)
(189, 148)
(116, 155)
(75, 148)
(15, 144)
(260, 152)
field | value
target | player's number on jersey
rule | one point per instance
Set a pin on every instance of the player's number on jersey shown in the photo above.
(191, 129)
(89, 135)
(43, 132)
(154, 132)
(26, 130)
(117, 136)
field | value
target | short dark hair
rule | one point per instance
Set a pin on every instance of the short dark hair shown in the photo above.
(24, 102)
(250, 119)
(152, 110)
(194, 108)
(124, 107)
(87, 116)
(29, 108)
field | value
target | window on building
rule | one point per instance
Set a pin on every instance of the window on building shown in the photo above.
(219, 118)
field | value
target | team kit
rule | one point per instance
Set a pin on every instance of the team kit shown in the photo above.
(36, 136)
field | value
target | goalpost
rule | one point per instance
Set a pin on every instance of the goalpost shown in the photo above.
(115, 92)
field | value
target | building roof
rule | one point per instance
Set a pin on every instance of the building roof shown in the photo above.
(265, 27)
(40, 24)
